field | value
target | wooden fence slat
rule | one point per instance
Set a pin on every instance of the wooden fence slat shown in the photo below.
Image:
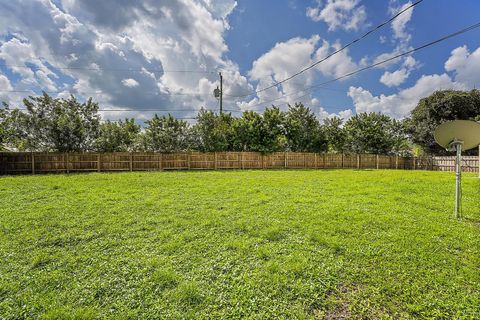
(33, 162)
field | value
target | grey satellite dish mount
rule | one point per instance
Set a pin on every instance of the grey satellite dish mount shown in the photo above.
(456, 136)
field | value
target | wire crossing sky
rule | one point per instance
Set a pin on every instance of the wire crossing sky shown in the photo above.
(337, 57)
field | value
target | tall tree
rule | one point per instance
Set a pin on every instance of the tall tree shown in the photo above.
(335, 134)
(117, 136)
(166, 134)
(439, 107)
(4, 126)
(249, 133)
(56, 124)
(275, 131)
(303, 131)
(372, 133)
(213, 132)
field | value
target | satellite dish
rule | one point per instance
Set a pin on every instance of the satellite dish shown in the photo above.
(455, 135)
(466, 131)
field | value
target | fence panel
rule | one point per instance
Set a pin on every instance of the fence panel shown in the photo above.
(469, 163)
(174, 161)
(274, 160)
(349, 161)
(202, 161)
(37, 162)
(332, 160)
(146, 161)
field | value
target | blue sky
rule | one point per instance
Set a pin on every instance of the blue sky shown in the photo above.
(164, 55)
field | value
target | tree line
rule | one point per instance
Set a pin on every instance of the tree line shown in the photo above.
(45, 123)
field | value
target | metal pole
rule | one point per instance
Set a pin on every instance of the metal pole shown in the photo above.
(458, 185)
(221, 92)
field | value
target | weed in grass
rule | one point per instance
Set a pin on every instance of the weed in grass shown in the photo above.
(273, 233)
(164, 279)
(188, 293)
(40, 260)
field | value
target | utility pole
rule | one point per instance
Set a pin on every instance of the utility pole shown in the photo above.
(221, 92)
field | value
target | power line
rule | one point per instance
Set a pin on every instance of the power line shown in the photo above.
(114, 69)
(100, 92)
(335, 52)
(136, 110)
(139, 110)
(472, 27)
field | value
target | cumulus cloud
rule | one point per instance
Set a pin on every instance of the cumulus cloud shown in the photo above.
(400, 104)
(338, 64)
(396, 78)
(399, 25)
(339, 14)
(401, 39)
(5, 83)
(287, 58)
(465, 67)
(20, 58)
(280, 62)
(131, 83)
(100, 47)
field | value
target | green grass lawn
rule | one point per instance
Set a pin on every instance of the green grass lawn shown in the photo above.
(234, 244)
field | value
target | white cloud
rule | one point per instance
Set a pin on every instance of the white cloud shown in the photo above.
(396, 78)
(393, 79)
(339, 14)
(130, 83)
(121, 41)
(400, 104)
(402, 39)
(287, 58)
(465, 66)
(399, 25)
(345, 114)
(5, 83)
(338, 64)
(280, 62)
(20, 58)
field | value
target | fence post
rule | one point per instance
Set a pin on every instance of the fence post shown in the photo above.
(414, 163)
(131, 161)
(33, 163)
(160, 160)
(396, 161)
(358, 161)
(98, 162)
(316, 161)
(263, 161)
(343, 164)
(242, 161)
(68, 163)
(215, 160)
(377, 161)
(188, 160)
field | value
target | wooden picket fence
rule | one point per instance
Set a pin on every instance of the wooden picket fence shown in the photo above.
(35, 162)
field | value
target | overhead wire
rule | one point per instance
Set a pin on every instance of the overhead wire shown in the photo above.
(309, 88)
(113, 69)
(335, 52)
